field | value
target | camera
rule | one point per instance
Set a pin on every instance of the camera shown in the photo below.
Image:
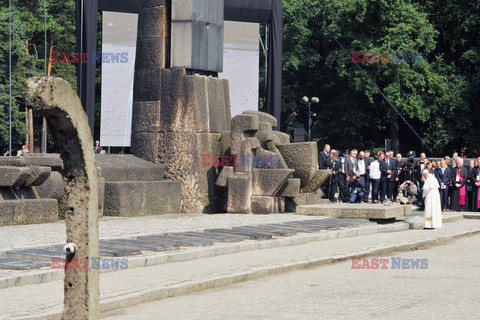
(70, 248)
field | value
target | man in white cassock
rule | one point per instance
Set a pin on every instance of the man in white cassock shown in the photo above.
(431, 198)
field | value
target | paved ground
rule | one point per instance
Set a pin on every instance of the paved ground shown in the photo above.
(448, 289)
(39, 299)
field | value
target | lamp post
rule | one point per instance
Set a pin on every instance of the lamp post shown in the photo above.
(309, 103)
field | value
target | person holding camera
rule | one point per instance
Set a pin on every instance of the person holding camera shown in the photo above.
(409, 193)
(357, 184)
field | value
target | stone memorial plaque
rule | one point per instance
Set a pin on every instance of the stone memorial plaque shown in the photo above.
(180, 241)
(36, 254)
(137, 244)
(310, 225)
(210, 236)
(293, 228)
(118, 252)
(245, 234)
(20, 264)
(340, 224)
(268, 230)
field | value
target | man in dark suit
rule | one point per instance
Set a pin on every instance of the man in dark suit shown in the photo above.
(351, 167)
(443, 174)
(400, 176)
(335, 178)
(364, 170)
(387, 178)
(324, 157)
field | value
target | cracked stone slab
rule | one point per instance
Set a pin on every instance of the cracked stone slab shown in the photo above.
(137, 244)
(245, 234)
(20, 264)
(210, 236)
(181, 241)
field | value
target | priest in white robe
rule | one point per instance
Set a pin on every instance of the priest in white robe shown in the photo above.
(431, 198)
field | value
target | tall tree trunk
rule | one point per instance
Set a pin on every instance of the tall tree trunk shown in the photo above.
(394, 134)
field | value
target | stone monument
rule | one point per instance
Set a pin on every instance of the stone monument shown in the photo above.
(54, 99)
(181, 110)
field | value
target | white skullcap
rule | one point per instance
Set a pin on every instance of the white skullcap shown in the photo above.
(425, 171)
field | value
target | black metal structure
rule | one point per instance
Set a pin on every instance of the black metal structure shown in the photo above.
(259, 11)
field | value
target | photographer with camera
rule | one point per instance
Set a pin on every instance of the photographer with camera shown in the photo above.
(357, 187)
(409, 193)
(400, 166)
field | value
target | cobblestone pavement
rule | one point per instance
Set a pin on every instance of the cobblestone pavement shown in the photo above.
(448, 289)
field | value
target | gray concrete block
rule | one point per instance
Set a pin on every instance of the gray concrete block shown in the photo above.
(291, 188)
(126, 167)
(36, 254)
(14, 176)
(268, 182)
(239, 193)
(28, 211)
(138, 198)
(282, 137)
(217, 110)
(263, 205)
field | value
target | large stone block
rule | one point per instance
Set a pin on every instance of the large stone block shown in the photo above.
(126, 167)
(101, 195)
(197, 35)
(52, 160)
(264, 205)
(154, 22)
(52, 188)
(13, 161)
(355, 211)
(28, 211)
(39, 175)
(282, 137)
(223, 176)
(321, 176)
(145, 145)
(138, 198)
(144, 89)
(151, 53)
(302, 157)
(14, 176)
(267, 182)
(198, 100)
(146, 116)
(217, 109)
(291, 188)
(152, 3)
(239, 193)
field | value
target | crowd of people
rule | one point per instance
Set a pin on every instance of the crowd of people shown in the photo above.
(385, 177)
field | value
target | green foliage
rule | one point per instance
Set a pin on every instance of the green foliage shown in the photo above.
(434, 97)
(28, 57)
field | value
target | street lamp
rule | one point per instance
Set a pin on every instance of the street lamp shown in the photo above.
(309, 103)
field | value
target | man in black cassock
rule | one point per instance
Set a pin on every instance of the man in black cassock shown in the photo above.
(459, 178)
(475, 175)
